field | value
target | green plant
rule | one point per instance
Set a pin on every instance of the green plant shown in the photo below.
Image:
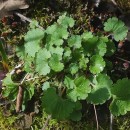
(117, 28)
(62, 125)
(70, 68)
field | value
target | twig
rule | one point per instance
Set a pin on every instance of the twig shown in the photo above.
(113, 1)
(23, 17)
(19, 98)
(96, 117)
(46, 123)
(123, 59)
(111, 121)
(27, 19)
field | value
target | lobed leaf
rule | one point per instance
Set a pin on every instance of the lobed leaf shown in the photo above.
(87, 35)
(58, 107)
(55, 63)
(66, 21)
(119, 107)
(11, 88)
(97, 64)
(121, 89)
(74, 41)
(100, 92)
(116, 27)
(42, 66)
(80, 89)
(32, 41)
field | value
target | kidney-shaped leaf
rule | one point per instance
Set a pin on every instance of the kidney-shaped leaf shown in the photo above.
(97, 64)
(121, 89)
(58, 107)
(101, 90)
(119, 107)
(117, 27)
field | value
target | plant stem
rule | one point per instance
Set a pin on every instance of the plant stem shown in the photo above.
(96, 117)
(123, 59)
(27, 19)
(111, 121)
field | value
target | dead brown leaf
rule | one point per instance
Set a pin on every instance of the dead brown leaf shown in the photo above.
(8, 6)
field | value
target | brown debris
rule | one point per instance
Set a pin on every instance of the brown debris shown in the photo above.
(8, 6)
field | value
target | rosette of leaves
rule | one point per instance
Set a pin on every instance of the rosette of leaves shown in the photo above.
(68, 61)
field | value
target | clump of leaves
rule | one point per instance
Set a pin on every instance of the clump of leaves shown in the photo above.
(72, 68)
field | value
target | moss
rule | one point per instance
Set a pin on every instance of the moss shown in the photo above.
(39, 122)
(7, 123)
(122, 122)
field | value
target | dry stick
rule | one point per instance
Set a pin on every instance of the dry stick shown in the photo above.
(20, 95)
(113, 1)
(19, 99)
(27, 19)
(96, 117)
(123, 59)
